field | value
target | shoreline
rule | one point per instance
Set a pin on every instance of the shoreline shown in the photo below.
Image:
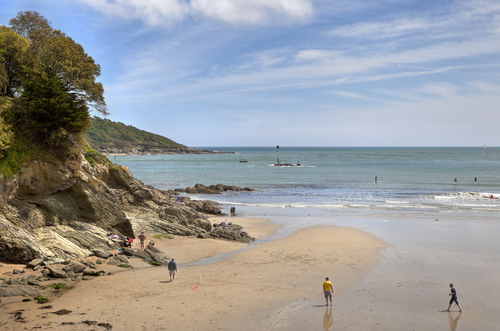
(218, 283)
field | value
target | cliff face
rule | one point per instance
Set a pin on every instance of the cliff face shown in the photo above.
(58, 214)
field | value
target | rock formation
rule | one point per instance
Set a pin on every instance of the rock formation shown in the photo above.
(58, 212)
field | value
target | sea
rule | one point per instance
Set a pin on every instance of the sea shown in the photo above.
(336, 179)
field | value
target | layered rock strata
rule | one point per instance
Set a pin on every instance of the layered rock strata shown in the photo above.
(52, 212)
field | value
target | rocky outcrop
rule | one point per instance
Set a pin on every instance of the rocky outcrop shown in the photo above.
(213, 189)
(232, 232)
(58, 213)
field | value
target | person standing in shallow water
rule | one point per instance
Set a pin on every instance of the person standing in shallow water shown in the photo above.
(453, 298)
(327, 290)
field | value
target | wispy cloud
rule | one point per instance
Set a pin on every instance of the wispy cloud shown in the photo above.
(169, 12)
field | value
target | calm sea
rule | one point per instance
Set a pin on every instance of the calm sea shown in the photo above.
(417, 178)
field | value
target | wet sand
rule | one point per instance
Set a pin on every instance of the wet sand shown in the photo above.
(214, 296)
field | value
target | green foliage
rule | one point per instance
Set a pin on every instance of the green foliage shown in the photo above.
(67, 58)
(166, 236)
(12, 61)
(41, 299)
(48, 109)
(90, 159)
(125, 266)
(58, 286)
(22, 150)
(156, 264)
(6, 132)
(106, 134)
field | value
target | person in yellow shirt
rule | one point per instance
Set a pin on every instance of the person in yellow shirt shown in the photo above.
(328, 289)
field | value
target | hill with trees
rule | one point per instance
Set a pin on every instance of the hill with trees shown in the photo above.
(106, 135)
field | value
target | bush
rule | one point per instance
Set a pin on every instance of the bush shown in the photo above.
(58, 286)
(41, 299)
(125, 266)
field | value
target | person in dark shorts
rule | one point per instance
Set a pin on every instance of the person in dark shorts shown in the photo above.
(453, 298)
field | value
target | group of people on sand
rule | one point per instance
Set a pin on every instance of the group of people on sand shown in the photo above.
(328, 292)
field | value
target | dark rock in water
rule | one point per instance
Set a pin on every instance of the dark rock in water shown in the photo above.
(15, 271)
(101, 254)
(157, 255)
(57, 273)
(213, 189)
(35, 263)
(74, 266)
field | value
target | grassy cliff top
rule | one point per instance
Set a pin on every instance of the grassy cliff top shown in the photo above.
(106, 134)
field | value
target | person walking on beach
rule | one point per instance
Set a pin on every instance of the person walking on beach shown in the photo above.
(453, 298)
(172, 269)
(142, 238)
(327, 290)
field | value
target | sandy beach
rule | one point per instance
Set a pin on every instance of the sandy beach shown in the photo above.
(216, 296)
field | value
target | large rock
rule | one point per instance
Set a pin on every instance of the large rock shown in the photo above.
(57, 273)
(142, 254)
(35, 262)
(101, 254)
(74, 266)
(157, 255)
(232, 232)
(18, 290)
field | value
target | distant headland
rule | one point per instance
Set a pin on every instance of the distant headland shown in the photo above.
(114, 138)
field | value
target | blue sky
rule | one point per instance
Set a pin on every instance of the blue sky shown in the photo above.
(293, 72)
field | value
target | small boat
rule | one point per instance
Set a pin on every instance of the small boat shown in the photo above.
(243, 160)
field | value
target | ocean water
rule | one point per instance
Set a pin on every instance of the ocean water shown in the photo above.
(337, 178)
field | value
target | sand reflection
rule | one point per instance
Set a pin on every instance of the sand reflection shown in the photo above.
(453, 322)
(328, 319)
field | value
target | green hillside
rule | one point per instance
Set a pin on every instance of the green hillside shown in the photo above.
(106, 134)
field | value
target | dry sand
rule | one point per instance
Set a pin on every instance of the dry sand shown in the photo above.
(235, 293)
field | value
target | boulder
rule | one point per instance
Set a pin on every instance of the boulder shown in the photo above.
(74, 266)
(17, 281)
(90, 264)
(157, 255)
(57, 273)
(142, 254)
(205, 235)
(36, 268)
(128, 251)
(35, 262)
(101, 254)
(232, 232)
(18, 290)
(16, 271)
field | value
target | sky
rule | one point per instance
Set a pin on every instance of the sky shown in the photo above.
(293, 72)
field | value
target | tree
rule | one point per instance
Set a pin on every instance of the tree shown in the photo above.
(47, 106)
(66, 58)
(12, 61)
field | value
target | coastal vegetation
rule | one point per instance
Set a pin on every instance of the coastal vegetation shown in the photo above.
(47, 88)
(106, 134)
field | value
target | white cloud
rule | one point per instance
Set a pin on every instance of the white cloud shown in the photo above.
(167, 12)
(314, 54)
(349, 94)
